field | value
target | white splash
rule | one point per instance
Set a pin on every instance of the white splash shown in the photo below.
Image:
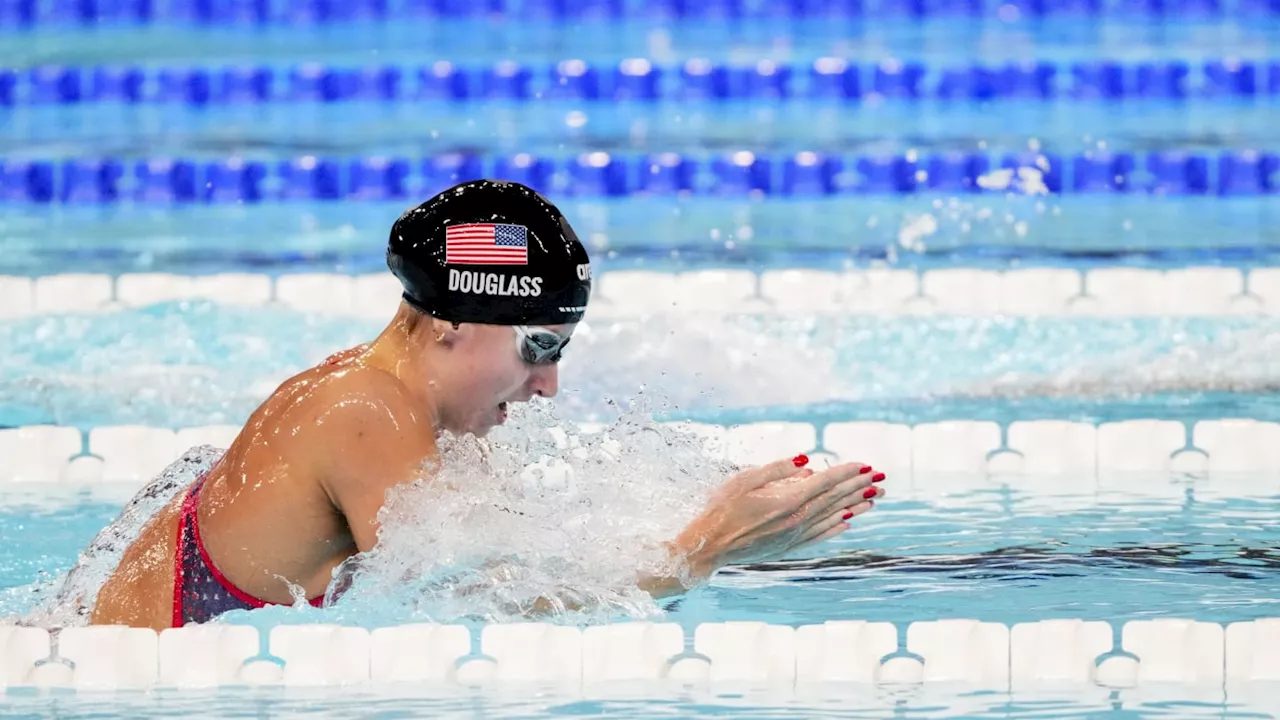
(1024, 180)
(543, 517)
(69, 598)
(1241, 361)
(914, 230)
(540, 519)
(701, 359)
(172, 367)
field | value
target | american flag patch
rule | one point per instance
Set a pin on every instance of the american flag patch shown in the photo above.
(486, 244)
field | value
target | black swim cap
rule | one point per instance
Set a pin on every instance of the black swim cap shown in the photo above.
(490, 251)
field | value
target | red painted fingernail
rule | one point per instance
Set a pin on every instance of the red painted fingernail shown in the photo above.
(847, 515)
(877, 477)
(869, 493)
(865, 469)
(800, 460)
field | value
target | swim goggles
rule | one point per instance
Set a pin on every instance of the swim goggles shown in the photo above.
(538, 345)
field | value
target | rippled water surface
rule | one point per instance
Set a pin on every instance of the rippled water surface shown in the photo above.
(180, 365)
(1012, 549)
(1133, 547)
(849, 702)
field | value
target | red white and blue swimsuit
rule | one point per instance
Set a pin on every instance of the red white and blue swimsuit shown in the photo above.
(200, 592)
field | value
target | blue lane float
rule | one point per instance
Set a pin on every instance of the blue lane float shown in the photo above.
(35, 13)
(597, 174)
(637, 79)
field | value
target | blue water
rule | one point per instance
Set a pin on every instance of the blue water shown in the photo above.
(1007, 551)
(871, 703)
(666, 234)
(191, 364)
(949, 39)
(566, 128)
(1002, 553)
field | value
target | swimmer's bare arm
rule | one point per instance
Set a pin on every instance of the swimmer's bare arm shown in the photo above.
(371, 436)
(761, 514)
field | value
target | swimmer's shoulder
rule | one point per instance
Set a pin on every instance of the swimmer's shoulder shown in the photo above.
(368, 433)
(344, 357)
(327, 405)
(342, 377)
(362, 392)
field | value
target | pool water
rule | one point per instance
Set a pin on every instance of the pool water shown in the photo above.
(672, 233)
(401, 702)
(1000, 551)
(1007, 549)
(193, 363)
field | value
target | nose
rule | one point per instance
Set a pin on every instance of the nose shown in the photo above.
(545, 380)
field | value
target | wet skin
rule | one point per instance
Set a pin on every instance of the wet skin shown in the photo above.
(298, 491)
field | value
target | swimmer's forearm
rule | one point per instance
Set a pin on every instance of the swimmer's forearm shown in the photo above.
(662, 587)
(692, 563)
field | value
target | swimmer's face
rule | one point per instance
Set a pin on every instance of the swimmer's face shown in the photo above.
(488, 374)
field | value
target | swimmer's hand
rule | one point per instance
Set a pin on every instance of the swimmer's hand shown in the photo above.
(766, 512)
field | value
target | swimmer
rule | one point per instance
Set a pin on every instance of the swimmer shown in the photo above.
(494, 281)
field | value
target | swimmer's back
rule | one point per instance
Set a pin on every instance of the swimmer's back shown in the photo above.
(292, 498)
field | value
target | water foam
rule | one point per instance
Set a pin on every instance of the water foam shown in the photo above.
(541, 519)
(188, 364)
(67, 600)
(1237, 360)
(700, 361)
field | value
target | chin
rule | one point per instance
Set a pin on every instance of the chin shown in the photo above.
(481, 427)
(482, 423)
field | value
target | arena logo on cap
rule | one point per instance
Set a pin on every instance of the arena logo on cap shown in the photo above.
(584, 272)
(487, 283)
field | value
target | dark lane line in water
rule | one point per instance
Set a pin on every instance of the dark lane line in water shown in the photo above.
(351, 257)
(1243, 563)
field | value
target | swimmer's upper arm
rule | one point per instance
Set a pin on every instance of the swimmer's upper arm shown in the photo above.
(370, 437)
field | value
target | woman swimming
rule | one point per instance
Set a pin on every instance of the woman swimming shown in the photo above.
(495, 280)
